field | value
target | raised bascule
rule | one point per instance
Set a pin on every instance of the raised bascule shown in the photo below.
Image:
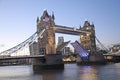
(44, 52)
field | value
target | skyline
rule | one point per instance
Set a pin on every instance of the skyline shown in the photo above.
(18, 19)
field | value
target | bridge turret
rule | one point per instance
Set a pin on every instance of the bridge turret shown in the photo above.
(53, 17)
(37, 19)
(45, 14)
(86, 24)
(80, 27)
(92, 24)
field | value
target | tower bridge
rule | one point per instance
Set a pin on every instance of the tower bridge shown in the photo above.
(45, 37)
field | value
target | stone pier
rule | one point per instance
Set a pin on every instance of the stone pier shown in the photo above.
(50, 62)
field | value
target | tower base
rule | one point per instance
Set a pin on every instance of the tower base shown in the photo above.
(37, 68)
(52, 61)
(94, 59)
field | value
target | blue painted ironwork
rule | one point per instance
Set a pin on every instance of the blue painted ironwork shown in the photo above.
(81, 52)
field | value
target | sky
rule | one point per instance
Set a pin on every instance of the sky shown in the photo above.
(18, 18)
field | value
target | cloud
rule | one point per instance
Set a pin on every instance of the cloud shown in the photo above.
(2, 45)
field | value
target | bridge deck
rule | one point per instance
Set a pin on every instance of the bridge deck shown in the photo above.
(111, 54)
(22, 57)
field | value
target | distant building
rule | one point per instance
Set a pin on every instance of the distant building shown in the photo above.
(115, 48)
(33, 48)
(65, 48)
(71, 48)
(88, 39)
(60, 40)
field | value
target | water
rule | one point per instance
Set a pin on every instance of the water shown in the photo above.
(71, 72)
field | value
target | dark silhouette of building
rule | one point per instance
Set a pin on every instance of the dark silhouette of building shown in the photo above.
(33, 48)
(60, 40)
(115, 48)
(62, 47)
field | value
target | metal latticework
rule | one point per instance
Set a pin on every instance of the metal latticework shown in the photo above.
(81, 52)
(24, 44)
(101, 45)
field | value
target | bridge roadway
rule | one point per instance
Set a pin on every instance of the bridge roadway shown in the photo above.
(108, 57)
(112, 57)
(22, 57)
(68, 30)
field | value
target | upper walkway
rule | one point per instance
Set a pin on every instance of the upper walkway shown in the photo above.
(68, 30)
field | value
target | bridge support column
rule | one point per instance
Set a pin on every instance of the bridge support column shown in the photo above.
(93, 59)
(51, 61)
(97, 58)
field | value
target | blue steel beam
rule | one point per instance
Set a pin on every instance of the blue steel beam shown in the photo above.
(81, 52)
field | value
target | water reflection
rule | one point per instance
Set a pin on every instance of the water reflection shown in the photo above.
(71, 72)
(51, 75)
(88, 73)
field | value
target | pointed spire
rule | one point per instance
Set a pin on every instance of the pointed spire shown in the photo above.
(45, 13)
(80, 27)
(86, 23)
(37, 19)
(92, 24)
(53, 17)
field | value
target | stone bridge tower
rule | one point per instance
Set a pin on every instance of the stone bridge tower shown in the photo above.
(46, 43)
(88, 39)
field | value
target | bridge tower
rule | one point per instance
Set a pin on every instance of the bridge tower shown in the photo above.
(46, 43)
(88, 42)
(88, 39)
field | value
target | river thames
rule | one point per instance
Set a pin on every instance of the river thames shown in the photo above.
(71, 72)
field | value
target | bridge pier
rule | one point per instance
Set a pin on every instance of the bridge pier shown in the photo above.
(93, 59)
(51, 61)
(97, 58)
